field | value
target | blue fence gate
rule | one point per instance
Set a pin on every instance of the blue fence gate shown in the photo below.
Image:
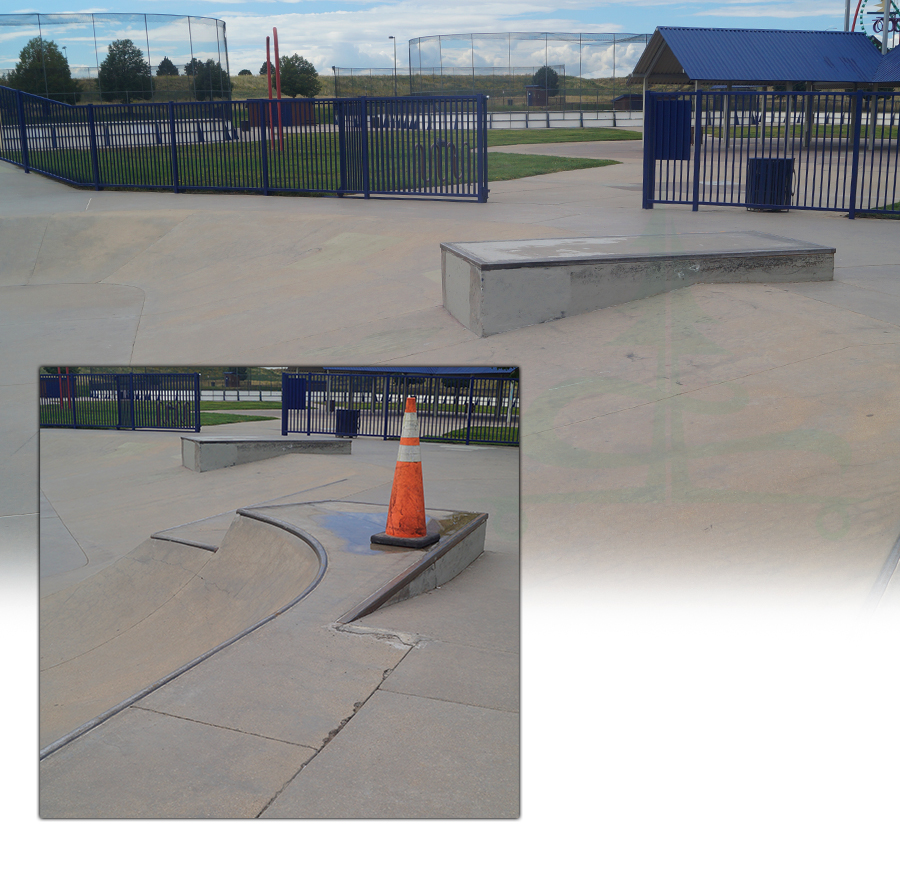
(464, 408)
(434, 147)
(121, 401)
(773, 150)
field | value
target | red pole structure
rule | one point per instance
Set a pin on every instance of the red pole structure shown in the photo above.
(278, 89)
(269, 78)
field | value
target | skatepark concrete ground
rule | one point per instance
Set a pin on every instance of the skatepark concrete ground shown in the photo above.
(398, 688)
(710, 486)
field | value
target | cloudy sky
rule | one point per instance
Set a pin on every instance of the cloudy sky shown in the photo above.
(354, 33)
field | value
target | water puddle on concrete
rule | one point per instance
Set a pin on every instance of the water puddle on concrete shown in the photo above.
(355, 529)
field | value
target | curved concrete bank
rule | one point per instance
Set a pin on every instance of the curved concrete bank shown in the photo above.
(157, 609)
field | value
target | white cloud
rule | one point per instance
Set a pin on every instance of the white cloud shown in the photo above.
(359, 38)
(738, 9)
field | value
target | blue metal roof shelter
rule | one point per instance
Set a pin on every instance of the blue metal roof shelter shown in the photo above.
(683, 55)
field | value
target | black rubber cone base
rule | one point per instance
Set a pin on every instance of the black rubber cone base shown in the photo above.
(408, 542)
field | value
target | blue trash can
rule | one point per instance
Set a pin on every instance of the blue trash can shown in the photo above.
(770, 183)
(346, 423)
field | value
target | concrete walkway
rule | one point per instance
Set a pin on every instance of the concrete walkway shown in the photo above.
(719, 443)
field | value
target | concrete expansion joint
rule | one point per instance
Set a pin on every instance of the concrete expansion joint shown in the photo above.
(445, 700)
(37, 256)
(336, 730)
(220, 726)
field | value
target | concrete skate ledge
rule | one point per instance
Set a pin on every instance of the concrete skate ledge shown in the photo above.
(497, 286)
(452, 554)
(210, 453)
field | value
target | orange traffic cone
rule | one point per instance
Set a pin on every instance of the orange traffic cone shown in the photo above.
(406, 524)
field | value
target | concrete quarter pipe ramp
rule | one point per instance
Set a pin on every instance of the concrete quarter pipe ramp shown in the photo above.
(155, 610)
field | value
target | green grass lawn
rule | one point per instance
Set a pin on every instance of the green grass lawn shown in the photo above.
(240, 405)
(102, 412)
(505, 167)
(541, 137)
(893, 212)
(208, 418)
(508, 435)
(309, 160)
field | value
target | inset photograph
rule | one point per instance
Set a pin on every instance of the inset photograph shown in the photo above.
(281, 592)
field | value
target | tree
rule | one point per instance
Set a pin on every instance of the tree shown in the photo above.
(298, 77)
(245, 72)
(166, 67)
(211, 81)
(547, 78)
(43, 69)
(263, 70)
(193, 67)
(124, 74)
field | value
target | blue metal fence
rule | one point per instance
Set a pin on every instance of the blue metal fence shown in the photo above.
(466, 408)
(773, 151)
(433, 147)
(121, 401)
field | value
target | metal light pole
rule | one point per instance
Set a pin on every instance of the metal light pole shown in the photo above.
(394, 40)
(885, 27)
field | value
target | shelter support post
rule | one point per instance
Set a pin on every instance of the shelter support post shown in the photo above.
(698, 138)
(649, 156)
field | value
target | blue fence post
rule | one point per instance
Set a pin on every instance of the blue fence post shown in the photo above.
(854, 172)
(364, 124)
(469, 415)
(386, 403)
(264, 146)
(339, 117)
(196, 401)
(71, 384)
(698, 135)
(284, 412)
(131, 397)
(92, 135)
(481, 144)
(173, 143)
(23, 131)
(118, 401)
(649, 149)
